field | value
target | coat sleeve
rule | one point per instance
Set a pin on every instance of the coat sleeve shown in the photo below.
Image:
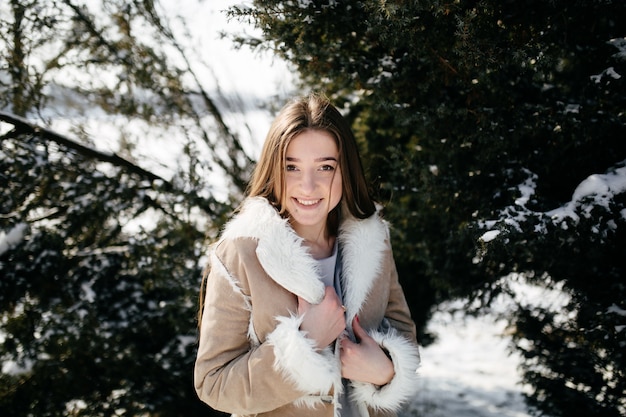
(236, 373)
(397, 336)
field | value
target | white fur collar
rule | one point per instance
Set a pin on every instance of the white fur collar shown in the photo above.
(288, 262)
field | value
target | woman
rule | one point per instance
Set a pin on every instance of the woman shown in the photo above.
(303, 314)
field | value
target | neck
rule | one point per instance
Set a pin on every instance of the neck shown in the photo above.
(318, 242)
(322, 248)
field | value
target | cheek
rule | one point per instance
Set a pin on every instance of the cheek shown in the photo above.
(289, 184)
(337, 189)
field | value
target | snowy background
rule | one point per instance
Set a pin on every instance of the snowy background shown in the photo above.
(470, 371)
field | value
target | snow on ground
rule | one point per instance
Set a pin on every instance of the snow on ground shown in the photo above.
(469, 371)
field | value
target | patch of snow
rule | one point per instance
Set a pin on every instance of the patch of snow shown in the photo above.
(10, 367)
(489, 236)
(614, 309)
(609, 72)
(469, 371)
(599, 188)
(13, 237)
(620, 44)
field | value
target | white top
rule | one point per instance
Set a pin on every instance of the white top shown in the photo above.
(326, 267)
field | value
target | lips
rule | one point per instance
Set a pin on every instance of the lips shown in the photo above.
(307, 202)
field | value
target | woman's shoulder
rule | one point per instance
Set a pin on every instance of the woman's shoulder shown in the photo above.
(236, 250)
(241, 244)
(256, 224)
(254, 219)
(372, 227)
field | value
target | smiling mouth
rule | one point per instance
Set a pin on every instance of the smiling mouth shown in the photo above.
(307, 202)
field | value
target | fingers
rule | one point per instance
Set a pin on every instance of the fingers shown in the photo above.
(359, 332)
(330, 297)
(364, 360)
(323, 322)
(346, 344)
(332, 301)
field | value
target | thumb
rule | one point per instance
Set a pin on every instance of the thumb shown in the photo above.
(359, 331)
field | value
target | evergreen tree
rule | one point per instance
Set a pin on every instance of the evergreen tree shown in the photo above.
(101, 259)
(98, 309)
(489, 116)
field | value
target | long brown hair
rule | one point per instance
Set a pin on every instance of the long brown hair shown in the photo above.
(315, 112)
(312, 112)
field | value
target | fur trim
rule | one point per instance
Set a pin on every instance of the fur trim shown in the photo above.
(280, 250)
(312, 401)
(313, 372)
(404, 384)
(288, 262)
(363, 246)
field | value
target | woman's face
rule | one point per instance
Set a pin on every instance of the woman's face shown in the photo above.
(312, 181)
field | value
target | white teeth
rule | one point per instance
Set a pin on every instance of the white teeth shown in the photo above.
(307, 202)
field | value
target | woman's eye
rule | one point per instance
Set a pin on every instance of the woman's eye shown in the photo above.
(290, 168)
(327, 168)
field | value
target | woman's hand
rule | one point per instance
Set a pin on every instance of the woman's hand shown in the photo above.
(323, 322)
(364, 361)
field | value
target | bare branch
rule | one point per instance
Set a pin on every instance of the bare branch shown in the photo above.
(23, 126)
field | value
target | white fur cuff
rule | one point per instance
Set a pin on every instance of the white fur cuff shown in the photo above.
(403, 386)
(297, 358)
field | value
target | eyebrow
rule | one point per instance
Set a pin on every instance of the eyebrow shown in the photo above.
(322, 159)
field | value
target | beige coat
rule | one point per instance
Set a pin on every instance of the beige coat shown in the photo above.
(252, 357)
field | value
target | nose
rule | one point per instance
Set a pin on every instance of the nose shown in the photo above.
(308, 181)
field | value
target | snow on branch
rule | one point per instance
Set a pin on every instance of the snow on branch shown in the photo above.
(13, 237)
(23, 126)
(598, 191)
